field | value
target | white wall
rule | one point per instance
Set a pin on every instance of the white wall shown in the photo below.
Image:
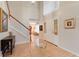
(20, 37)
(49, 6)
(49, 17)
(67, 38)
(21, 33)
(50, 28)
(17, 11)
(24, 10)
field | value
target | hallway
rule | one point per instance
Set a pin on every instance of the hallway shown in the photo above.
(41, 28)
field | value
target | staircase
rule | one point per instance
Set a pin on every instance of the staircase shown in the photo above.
(18, 28)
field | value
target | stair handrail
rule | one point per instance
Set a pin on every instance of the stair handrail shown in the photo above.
(19, 22)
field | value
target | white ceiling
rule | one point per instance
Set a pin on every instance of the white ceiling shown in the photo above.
(22, 3)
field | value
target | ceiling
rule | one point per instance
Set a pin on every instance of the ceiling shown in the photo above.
(22, 3)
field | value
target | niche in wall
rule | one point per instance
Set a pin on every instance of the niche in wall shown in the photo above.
(3, 21)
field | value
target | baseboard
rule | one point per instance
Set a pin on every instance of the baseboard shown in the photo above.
(51, 43)
(23, 42)
(75, 54)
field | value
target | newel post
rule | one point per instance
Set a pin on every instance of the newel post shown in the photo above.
(30, 28)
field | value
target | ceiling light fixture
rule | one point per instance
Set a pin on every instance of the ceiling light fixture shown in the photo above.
(33, 1)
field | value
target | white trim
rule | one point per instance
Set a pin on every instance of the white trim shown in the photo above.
(76, 54)
(23, 42)
(51, 41)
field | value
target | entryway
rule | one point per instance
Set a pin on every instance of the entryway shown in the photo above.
(35, 34)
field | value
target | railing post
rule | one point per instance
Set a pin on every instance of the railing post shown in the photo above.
(30, 28)
(30, 34)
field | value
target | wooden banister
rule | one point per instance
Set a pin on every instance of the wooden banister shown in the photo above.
(19, 22)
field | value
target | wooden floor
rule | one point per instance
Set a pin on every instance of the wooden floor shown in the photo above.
(24, 50)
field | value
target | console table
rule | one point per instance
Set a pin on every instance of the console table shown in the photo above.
(7, 44)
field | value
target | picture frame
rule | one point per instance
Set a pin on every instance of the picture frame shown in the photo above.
(69, 23)
(44, 27)
(56, 27)
(41, 27)
(3, 21)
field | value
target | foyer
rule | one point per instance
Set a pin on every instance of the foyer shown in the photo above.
(41, 28)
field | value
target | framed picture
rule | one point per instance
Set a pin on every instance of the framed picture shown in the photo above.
(44, 27)
(41, 27)
(3, 21)
(69, 23)
(56, 27)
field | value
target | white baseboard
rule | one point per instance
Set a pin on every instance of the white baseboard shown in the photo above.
(52, 42)
(23, 42)
(75, 54)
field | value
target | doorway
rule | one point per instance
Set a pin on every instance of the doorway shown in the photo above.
(35, 34)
